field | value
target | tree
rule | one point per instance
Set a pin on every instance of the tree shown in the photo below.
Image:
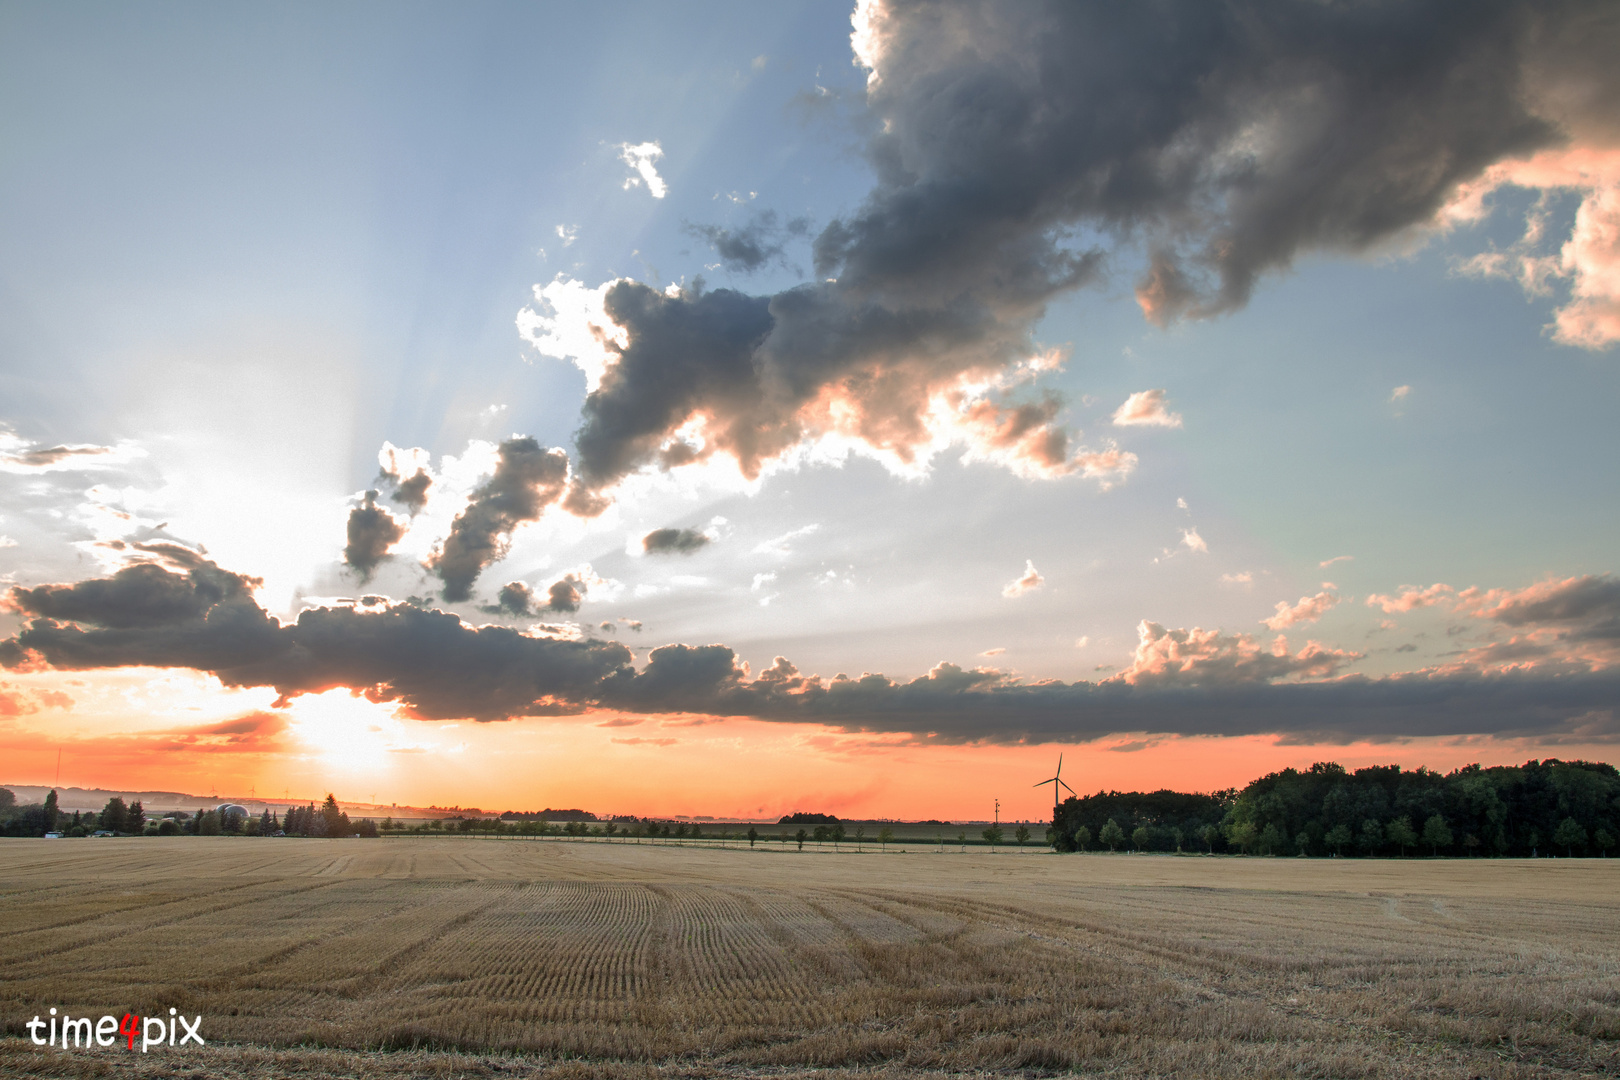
(336, 822)
(1021, 834)
(1400, 833)
(1302, 842)
(1140, 837)
(820, 834)
(1568, 834)
(801, 836)
(1337, 837)
(1111, 834)
(1372, 836)
(113, 815)
(8, 798)
(991, 836)
(208, 823)
(860, 835)
(1437, 834)
(1272, 839)
(753, 833)
(885, 838)
(1176, 836)
(612, 828)
(837, 836)
(1603, 842)
(1240, 834)
(1082, 838)
(1209, 836)
(50, 811)
(135, 819)
(168, 827)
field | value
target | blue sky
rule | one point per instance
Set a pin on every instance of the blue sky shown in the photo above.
(247, 246)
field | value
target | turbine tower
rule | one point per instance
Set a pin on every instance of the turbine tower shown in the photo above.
(1057, 782)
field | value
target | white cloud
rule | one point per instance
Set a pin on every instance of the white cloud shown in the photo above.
(640, 157)
(1029, 582)
(1336, 559)
(1192, 541)
(778, 546)
(1399, 394)
(1242, 577)
(1145, 408)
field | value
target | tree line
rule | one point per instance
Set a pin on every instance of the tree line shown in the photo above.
(118, 819)
(1539, 808)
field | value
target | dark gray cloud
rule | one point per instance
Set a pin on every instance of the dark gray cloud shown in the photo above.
(1584, 608)
(412, 492)
(528, 478)
(180, 610)
(373, 532)
(673, 542)
(1017, 145)
(746, 248)
(563, 596)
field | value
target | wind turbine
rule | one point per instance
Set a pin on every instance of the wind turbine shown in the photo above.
(1057, 782)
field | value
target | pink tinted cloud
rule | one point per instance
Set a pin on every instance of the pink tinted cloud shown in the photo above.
(1309, 609)
(1411, 598)
(1589, 260)
(1198, 657)
(1146, 408)
(1028, 583)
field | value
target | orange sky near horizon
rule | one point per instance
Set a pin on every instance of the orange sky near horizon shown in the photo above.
(198, 738)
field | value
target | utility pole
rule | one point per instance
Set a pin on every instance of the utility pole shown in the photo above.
(998, 813)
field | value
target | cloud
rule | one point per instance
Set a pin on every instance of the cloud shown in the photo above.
(563, 596)
(1325, 563)
(1411, 598)
(1242, 577)
(1399, 394)
(1309, 609)
(1145, 408)
(1589, 260)
(1028, 583)
(640, 157)
(1192, 541)
(779, 545)
(373, 532)
(411, 473)
(177, 609)
(622, 721)
(748, 247)
(673, 542)
(993, 652)
(173, 608)
(17, 455)
(527, 480)
(1200, 657)
(645, 742)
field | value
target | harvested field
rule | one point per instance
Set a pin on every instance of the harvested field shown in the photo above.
(498, 958)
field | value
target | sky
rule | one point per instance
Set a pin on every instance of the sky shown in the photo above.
(741, 409)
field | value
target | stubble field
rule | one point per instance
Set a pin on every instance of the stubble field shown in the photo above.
(459, 957)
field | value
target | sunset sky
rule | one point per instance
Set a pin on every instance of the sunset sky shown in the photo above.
(735, 409)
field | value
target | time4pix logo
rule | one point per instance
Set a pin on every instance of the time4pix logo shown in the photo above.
(162, 1032)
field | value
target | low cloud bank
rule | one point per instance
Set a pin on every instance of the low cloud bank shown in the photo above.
(174, 608)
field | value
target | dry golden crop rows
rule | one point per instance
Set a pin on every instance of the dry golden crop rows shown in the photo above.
(719, 962)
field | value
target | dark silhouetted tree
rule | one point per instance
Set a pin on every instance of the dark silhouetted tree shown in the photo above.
(753, 834)
(1082, 838)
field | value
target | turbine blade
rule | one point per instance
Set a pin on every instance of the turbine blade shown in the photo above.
(1071, 790)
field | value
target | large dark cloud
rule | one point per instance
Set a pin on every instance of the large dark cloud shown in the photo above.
(180, 610)
(373, 532)
(1016, 145)
(528, 478)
